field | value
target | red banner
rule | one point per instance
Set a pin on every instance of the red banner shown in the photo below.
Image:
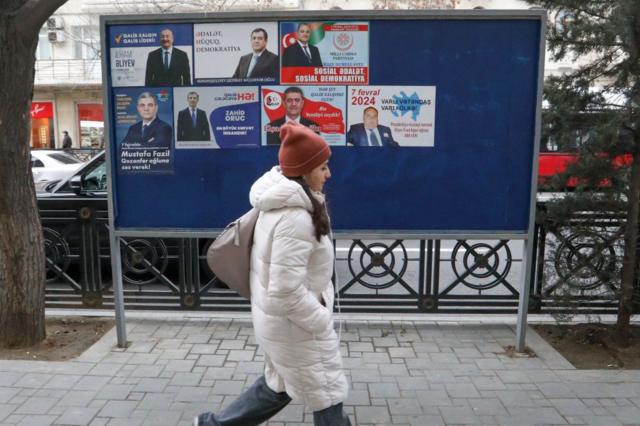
(345, 27)
(325, 75)
(42, 110)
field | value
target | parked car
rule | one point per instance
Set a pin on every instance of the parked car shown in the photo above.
(89, 179)
(49, 165)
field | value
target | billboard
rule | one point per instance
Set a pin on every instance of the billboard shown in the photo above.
(448, 102)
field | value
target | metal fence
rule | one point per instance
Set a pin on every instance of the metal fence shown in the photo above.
(576, 269)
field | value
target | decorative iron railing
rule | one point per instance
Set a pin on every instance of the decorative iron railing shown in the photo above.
(576, 268)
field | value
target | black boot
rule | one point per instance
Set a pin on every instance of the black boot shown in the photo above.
(256, 405)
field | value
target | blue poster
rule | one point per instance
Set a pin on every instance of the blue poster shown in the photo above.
(235, 117)
(217, 117)
(143, 133)
(151, 55)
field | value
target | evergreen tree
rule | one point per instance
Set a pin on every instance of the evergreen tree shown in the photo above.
(597, 105)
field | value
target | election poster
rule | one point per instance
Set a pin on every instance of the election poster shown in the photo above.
(151, 55)
(324, 53)
(391, 116)
(321, 108)
(236, 52)
(143, 133)
(217, 117)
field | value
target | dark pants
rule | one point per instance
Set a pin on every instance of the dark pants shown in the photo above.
(259, 403)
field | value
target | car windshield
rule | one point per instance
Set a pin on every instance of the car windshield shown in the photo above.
(96, 179)
(64, 158)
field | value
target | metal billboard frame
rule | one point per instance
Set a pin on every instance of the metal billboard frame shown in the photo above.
(527, 238)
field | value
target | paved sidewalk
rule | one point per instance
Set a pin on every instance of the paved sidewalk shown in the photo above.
(401, 373)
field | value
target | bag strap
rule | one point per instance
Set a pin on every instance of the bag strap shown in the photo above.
(336, 280)
(236, 235)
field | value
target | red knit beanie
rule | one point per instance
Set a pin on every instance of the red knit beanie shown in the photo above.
(301, 150)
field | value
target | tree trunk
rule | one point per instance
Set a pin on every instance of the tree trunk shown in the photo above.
(627, 283)
(22, 260)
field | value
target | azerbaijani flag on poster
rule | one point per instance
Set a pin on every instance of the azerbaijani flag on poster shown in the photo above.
(343, 48)
(289, 30)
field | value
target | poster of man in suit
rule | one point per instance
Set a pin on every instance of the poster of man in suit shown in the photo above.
(143, 132)
(193, 124)
(324, 53)
(152, 55)
(167, 65)
(236, 52)
(302, 53)
(260, 63)
(320, 108)
(293, 105)
(370, 132)
(217, 117)
(391, 116)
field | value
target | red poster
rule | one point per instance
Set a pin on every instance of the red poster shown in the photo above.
(328, 117)
(324, 53)
(326, 75)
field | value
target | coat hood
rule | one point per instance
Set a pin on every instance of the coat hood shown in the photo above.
(274, 191)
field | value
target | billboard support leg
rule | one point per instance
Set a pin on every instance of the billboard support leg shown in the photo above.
(118, 292)
(523, 301)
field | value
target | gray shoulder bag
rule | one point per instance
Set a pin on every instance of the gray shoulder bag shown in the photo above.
(229, 255)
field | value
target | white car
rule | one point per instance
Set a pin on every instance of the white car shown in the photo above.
(49, 165)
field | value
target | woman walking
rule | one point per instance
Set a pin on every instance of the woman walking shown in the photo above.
(291, 291)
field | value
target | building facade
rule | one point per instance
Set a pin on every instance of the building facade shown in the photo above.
(68, 80)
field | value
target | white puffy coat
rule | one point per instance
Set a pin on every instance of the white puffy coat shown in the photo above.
(290, 277)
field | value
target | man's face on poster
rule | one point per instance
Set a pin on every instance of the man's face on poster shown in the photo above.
(370, 119)
(147, 108)
(166, 39)
(304, 32)
(192, 99)
(293, 103)
(258, 41)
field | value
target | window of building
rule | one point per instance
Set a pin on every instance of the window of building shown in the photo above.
(42, 125)
(43, 51)
(86, 42)
(91, 125)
